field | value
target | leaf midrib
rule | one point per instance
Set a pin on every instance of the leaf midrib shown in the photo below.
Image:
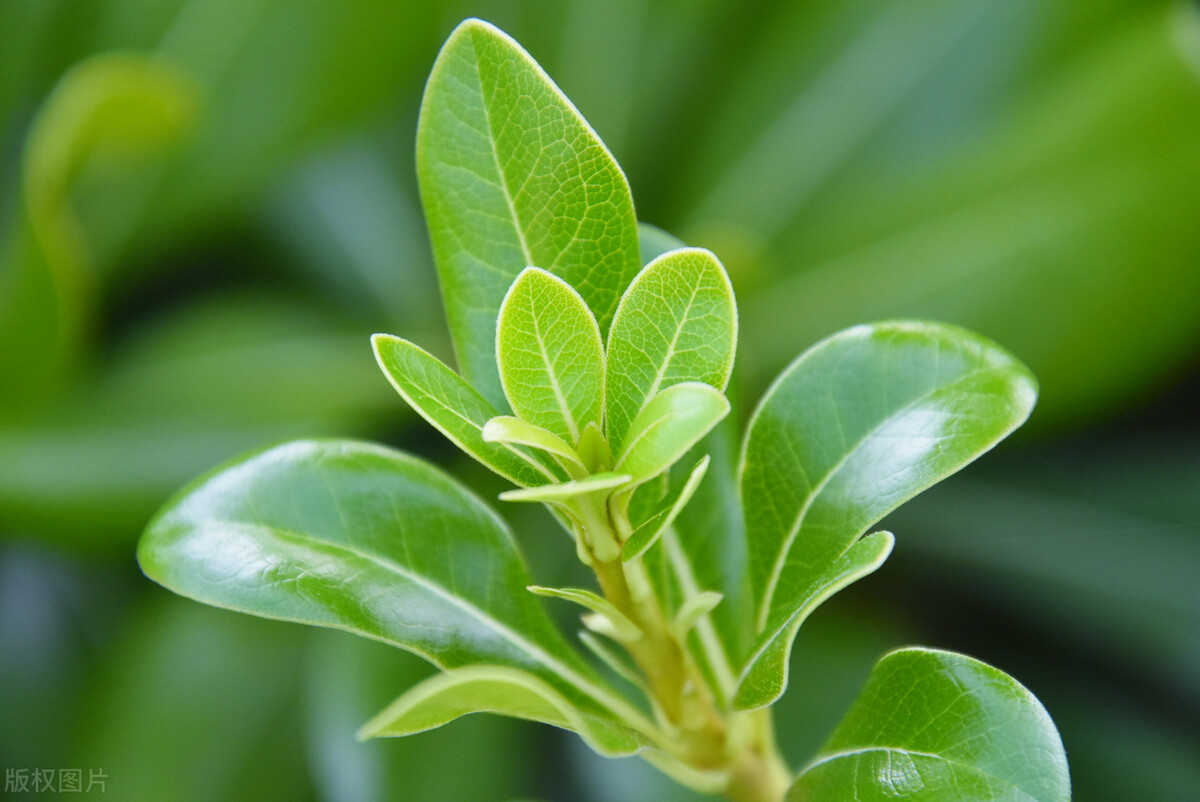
(917, 753)
(614, 705)
(509, 199)
(794, 532)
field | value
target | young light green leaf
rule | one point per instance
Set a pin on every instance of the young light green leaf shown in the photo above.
(496, 689)
(455, 409)
(550, 355)
(692, 610)
(593, 450)
(677, 322)
(507, 429)
(369, 540)
(933, 726)
(648, 533)
(596, 483)
(623, 629)
(670, 424)
(765, 676)
(854, 427)
(511, 175)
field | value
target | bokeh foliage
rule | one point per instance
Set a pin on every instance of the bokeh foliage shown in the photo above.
(206, 208)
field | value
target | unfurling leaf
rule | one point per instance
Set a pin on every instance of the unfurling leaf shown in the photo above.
(670, 424)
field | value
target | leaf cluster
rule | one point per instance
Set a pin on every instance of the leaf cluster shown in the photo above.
(614, 372)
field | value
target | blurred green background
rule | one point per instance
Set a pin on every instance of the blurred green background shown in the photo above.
(206, 206)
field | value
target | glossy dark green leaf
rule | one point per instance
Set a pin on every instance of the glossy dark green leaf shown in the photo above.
(455, 409)
(550, 355)
(934, 726)
(366, 539)
(677, 322)
(512, 176)
(765, 676)
(856, 426)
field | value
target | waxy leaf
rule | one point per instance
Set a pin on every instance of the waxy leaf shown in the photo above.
(455, 409)
(677, 322)
(933, 726)
(550, 355)
(369, 540)
(765, 676)
(496, 689)
(511, 175)
(596, 483)
(854, 427)
(668, 426)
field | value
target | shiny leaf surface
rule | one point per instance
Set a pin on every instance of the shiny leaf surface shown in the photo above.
(366, 539)
(934, 726)
(512, 176)
(857, 425)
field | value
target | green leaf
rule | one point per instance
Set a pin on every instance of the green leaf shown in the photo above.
(372, 541)
(596, 483)
(495, 689)
(934, 726)
(765, 676)
(670, 424)
(677, 322)
(550, 355)
(507, 429)
(454, 408)
(512, 176)
(650, 530)
(853, 428)
(621, 627)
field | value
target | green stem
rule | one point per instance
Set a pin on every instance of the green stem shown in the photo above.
(706, 738)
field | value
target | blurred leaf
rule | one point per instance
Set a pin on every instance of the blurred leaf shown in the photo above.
(278, 79)
(856, 426)
(677, 322)
(936, 726)
(115, 108)
(182, 394)
(234, 683)
(1068, 544)
(1026, 170)
(496, 193)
